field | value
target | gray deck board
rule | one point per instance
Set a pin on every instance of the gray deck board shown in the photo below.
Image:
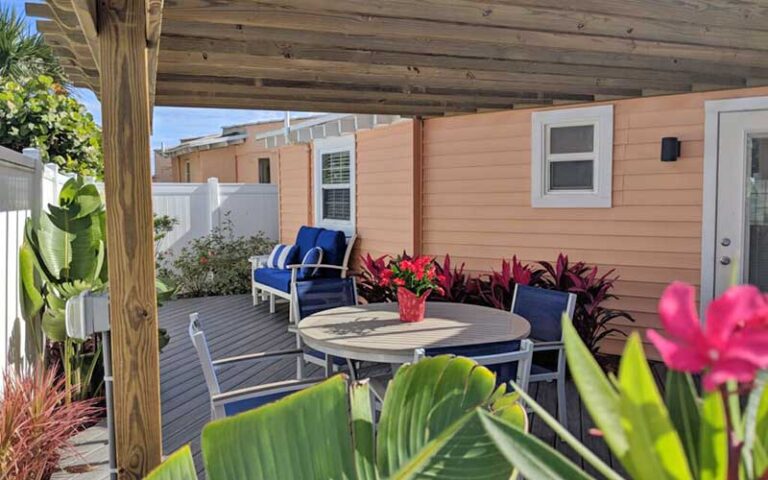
(234, 326)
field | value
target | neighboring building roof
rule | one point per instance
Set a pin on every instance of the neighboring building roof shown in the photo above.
(206, 142)
(322, 126)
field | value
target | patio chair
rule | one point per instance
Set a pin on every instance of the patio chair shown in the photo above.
(314, 296)
(510, 360)
(544, 310)
(226, 404)
(278, 282)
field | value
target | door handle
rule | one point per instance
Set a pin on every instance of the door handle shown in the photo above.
(725, 260)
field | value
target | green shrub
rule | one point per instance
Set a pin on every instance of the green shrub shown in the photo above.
(215, 264)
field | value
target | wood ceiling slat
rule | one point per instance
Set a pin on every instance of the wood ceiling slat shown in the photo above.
(561, 17)
(454, 55)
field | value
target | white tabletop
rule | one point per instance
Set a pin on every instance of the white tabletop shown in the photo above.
(374, 332)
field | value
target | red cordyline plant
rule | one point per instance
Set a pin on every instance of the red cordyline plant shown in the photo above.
(452, 282)
(497, 289)
(591, 319)
(37, 423)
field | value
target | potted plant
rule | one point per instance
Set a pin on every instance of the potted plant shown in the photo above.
(414, 279)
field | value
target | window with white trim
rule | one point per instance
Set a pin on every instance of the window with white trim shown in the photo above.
(334, 167)
(571, 158)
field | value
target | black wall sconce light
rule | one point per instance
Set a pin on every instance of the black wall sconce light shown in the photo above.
(670, 149)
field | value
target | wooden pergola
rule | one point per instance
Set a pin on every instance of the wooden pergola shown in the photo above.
(420, 58)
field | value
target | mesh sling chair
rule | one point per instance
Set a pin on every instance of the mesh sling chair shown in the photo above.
(544, 310)
(225, 404)
(314, 296)
(509, 360)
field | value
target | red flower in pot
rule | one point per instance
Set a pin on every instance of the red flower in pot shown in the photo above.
(414, 279)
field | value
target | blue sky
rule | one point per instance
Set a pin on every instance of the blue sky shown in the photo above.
(171, 123)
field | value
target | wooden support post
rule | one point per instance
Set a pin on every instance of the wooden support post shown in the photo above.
(417, 176)
(128, 187)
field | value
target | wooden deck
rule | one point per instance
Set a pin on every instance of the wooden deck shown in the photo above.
(233, 326)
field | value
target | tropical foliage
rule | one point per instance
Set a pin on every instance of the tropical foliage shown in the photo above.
(442, 417)
(687, 433)
(24, 54)
(416, 275)
(61, 257)
(37, 112)
(592, 319)
(214, 264)
(37, 422)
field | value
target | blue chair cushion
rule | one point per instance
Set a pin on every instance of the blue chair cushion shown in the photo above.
(334, 245)
(282, 256)
(505, 372)
(321, 356)
(306, 239)
(313, 257)
(273, 277)
(246, 404)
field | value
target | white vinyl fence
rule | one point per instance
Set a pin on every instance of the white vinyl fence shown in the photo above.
(27, 186)
(201, 207)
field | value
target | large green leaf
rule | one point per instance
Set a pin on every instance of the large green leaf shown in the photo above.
(597, 392)
(531, 457)
(568, 438)
(178, 466)
(31, 299)
(713, 453)
(363, 436)
(655, 449)
(756, 425)
(305, 435)
(422, 401)
(683, 404)
(55, 246)
(463, 450)
(88, 200)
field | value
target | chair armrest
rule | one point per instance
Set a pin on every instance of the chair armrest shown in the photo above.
(241, 393)
(258, 261)
(317, 265)
(546, 346)
(256, 357)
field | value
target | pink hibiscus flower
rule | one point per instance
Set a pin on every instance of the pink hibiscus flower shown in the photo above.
(731, 345)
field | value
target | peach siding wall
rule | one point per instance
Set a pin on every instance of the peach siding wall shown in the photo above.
(384, 186)
(294, 184)
(476, 198)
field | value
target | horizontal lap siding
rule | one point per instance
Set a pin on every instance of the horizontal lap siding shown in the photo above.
(384, 186)
(294, 174)
(476, 199)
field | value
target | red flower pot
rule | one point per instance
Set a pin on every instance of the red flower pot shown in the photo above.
(411, 306)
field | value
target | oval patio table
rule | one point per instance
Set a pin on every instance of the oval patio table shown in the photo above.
(374, 332)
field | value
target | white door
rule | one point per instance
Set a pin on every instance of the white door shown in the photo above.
(741, 231)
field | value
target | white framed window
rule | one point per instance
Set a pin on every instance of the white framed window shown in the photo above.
(571, 158)
(334, 183)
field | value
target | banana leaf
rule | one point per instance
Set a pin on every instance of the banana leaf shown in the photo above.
(430, 427)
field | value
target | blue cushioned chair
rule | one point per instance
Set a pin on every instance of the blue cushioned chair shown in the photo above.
(544, 310)
(279, 282)
(314, 296)
(225, 404)
(508, 360)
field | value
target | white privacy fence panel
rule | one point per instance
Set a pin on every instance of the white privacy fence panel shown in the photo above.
(26, 185)
(200, 207)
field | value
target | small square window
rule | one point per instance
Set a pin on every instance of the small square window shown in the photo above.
(571, 156)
